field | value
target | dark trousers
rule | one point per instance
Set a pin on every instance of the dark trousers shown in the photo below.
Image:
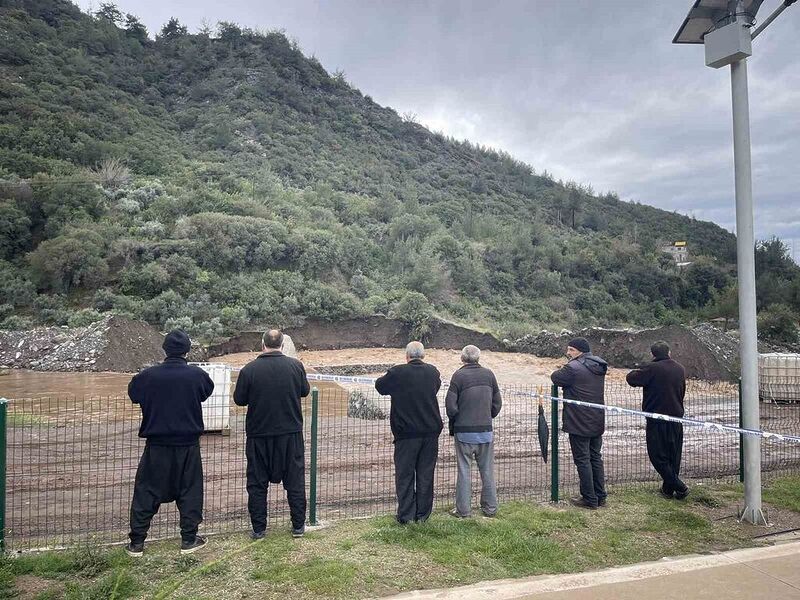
(168, 474)
(664, 447)
(276, 459)
(414, 466)
(586, 452)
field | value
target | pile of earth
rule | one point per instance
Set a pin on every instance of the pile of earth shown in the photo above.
(111, 344)
(706, 351)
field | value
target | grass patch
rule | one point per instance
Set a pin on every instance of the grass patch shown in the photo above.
(783, 493)
(510, 545)
(325, 577)
(375, 557)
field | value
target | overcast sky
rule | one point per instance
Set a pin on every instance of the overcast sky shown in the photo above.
(591, 91)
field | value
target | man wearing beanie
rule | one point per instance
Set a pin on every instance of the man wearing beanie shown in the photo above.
(271, 387)
(170, 470)
(664, 383)
(583, 378)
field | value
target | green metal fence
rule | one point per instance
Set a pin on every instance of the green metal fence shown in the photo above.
(71, 461)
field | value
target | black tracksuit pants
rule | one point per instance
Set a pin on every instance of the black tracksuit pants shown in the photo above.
(414, 466)
(664, 447)
(168, 474)
(275, 459)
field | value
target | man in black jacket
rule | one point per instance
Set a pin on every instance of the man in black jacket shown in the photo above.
(271, 387)
(664, 383)
(473, 400)
(170, 396)
(416, 424)
(583, 378)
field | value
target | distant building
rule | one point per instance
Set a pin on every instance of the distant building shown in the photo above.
(679, 251)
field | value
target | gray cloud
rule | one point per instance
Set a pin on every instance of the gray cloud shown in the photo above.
(589, 91)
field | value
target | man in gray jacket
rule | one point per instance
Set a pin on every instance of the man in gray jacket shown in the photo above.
(583, 378)
(473, 400)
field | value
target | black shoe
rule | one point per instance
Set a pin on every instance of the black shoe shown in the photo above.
(488, 515)
(189, 547)
(664, 494)
(581, 502)
(297, 532)
(257, 535)
(135, 550)
(458, 515)
(682, 495)
(601, 503)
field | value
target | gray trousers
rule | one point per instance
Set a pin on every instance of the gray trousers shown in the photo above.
(484, 456)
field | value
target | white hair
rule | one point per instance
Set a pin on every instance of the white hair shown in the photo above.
(470, 354)
(415, 350)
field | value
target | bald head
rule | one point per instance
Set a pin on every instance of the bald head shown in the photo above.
(272, 339)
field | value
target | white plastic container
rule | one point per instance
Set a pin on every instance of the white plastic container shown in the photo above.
(217, 409)
(779, 377)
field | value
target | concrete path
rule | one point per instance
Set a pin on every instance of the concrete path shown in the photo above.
(771, 572)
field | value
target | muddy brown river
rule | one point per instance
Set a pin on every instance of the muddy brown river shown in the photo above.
(34, 384)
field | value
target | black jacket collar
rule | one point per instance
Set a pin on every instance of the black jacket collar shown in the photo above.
(175, 360)
(270, 354)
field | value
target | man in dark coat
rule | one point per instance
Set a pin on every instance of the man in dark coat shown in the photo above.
(664, 383)
(583, 378)
(170, 396)
(473, 400)
(416, 424)
(271, 387)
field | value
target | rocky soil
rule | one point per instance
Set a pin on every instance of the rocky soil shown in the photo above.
(705, 350)
(112, 344)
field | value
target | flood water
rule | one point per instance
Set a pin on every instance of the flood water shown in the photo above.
(19, 383)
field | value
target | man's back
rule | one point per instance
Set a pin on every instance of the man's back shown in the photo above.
(170, 396)
(271, 387)
(415, 409)
(664, 383)
(473, 399)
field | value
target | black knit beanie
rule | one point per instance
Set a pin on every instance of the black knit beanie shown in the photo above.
(581, 344)
(176, 343)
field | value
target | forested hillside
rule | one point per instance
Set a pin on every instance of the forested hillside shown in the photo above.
(223, 179)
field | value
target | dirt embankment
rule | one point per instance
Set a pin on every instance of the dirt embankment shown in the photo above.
(705, 351)
(370, 332)
(112, 344)
(122, 345)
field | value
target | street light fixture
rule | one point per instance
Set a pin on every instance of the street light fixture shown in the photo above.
(723, 27)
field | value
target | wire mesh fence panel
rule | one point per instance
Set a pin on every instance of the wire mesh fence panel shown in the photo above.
(72, 461)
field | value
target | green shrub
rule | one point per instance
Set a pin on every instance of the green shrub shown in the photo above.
(415, 310)
(778, 324)
(16, 323)
(84, 317)
(69, 261)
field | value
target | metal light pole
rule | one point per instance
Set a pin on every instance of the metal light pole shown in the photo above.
(723, 27)
(746, 275)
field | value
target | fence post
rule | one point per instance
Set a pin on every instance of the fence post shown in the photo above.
(554, 444)
(312, 495)
(3, 430)
(741, 436)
